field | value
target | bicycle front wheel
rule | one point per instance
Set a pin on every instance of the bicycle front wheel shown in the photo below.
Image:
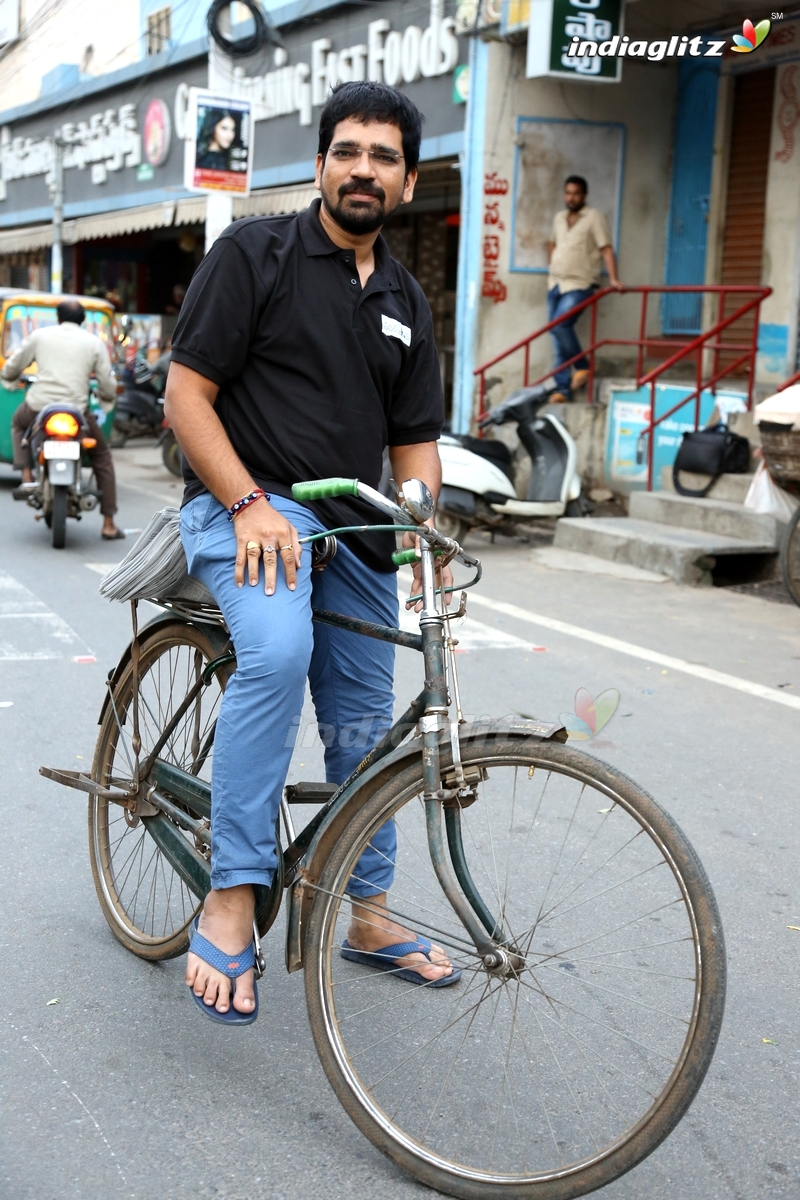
(557, 1076)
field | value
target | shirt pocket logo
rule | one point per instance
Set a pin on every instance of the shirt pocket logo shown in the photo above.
(394, 328)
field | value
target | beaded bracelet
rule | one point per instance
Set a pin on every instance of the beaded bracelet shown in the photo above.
(245, 500)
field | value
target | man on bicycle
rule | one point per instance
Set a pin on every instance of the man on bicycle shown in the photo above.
(303, 350)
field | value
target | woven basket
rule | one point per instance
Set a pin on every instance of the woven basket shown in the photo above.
(781, 447)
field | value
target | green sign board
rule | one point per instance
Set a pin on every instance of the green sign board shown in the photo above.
(554, 26)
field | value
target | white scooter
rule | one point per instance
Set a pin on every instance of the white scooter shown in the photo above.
(480, 475)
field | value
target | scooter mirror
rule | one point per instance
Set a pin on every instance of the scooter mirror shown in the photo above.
(418, 500)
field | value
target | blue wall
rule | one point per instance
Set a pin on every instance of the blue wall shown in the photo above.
(687, 232)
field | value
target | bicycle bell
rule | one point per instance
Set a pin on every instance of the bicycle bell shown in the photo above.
(417, 500)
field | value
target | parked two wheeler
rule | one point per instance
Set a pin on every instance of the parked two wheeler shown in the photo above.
(57, 438)
(482, 479)
(140, 409)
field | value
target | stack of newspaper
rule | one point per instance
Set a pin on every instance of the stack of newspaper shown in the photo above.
(155, 566)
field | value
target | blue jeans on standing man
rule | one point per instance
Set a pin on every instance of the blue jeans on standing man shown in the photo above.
(277, 648)
(564, 336)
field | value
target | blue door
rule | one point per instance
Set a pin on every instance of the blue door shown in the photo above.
(687, 232)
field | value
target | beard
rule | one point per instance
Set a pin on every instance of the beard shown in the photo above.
(356, 217)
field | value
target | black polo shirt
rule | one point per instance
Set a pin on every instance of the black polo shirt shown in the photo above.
(317, 375)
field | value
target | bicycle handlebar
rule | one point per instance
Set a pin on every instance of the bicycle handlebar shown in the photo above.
(322, 489)
(404, 558)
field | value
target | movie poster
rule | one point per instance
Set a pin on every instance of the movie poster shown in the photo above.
(219, 151)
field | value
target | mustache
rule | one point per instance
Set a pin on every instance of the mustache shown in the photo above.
(365, 188)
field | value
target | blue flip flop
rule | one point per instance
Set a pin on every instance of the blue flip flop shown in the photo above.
(385, 959)
(232, 965)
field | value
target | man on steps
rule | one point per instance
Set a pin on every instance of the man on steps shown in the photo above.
(580, 243)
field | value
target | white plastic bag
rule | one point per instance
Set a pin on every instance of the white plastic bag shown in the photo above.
(764, 496)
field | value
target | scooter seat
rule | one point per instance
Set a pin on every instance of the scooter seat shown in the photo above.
(493, 450)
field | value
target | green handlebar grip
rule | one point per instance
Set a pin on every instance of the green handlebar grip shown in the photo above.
(321, 489)
(404, 558)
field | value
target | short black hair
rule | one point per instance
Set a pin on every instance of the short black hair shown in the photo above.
(579, 181)
(71, 310)
(367, 101)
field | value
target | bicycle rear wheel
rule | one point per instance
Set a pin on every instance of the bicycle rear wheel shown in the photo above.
(146, 903)
(552, 1079)
(790, 557)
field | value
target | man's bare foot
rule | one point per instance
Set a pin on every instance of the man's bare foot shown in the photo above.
(372, 930)
(227, 922)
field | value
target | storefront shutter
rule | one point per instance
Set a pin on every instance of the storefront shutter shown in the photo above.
(743, 239)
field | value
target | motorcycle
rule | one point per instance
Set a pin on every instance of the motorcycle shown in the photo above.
(140, 409)
(57, 438)
(482, 480)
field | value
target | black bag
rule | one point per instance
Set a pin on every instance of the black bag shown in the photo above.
(713, 452)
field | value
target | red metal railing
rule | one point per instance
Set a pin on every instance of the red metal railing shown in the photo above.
(744, 353)
(788, 382)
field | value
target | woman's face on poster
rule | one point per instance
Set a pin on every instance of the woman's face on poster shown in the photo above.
(224, 133)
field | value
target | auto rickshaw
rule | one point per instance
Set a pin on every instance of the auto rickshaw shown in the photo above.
(22, 312)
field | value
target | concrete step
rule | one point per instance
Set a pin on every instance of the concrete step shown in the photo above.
(727, 487)
(706, 516)
(685, 555)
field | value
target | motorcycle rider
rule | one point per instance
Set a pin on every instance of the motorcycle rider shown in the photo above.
(66, 357)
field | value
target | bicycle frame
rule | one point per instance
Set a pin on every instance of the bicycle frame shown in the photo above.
(157, 785)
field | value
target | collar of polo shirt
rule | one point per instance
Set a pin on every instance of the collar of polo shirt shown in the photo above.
(317, 243)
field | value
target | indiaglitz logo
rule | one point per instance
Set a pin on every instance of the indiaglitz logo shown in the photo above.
(751, 37)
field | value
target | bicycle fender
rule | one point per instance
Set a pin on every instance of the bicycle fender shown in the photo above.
(218, 635)
(344, 807)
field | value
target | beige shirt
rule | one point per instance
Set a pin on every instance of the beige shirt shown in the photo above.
(577, 260)
(66, 357)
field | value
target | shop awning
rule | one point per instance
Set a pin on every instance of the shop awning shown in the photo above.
(267, 203)
(192, 211)
(273, 201)
(29, 237)
(124, 220)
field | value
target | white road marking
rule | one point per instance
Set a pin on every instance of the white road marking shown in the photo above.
(29, 630)
(471, 634)
(641, 652)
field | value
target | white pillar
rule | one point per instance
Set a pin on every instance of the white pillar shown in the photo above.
(778, 322)
(219, 205)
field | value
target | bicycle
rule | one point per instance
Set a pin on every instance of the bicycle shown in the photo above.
(590, 944)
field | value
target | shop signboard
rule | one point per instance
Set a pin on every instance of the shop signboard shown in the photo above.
(414, 45)
(218, 150)
(118, 145)
(552, 26)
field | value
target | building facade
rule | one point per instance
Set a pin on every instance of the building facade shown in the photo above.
(133, 233)
(693, 154)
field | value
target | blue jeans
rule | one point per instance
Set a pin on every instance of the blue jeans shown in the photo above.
(565, 339)
(277, 648)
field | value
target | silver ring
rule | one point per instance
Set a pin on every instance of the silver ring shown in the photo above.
(269, 549)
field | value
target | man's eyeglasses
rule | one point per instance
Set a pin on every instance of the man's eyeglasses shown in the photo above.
(379, 157)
